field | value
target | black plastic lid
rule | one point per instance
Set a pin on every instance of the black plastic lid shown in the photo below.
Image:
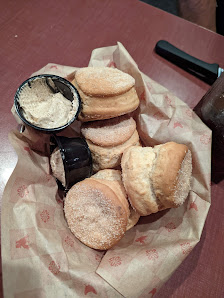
(76, 158)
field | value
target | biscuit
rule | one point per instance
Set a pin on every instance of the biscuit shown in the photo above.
(157, 178)
(172, 173)
(109, 132)
(105, 93)
(115, 177)
(95, 214)
(110, 157)
(107, 139)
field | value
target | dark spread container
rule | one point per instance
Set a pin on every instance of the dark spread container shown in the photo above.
(76, 158)
(59, 85)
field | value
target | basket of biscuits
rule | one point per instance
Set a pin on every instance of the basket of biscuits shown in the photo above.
(118, 179)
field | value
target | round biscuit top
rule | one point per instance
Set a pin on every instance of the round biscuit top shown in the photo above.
(110, 132)
(103, 81)
(94, 214)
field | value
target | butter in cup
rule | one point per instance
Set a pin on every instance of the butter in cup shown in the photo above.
(47, 103)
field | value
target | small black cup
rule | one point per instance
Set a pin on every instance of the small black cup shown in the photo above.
(76, 158)
(60, 85)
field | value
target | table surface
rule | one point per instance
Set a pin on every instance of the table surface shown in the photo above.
(34, 33)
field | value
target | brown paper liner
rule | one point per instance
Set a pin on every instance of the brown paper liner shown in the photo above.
(40, 256)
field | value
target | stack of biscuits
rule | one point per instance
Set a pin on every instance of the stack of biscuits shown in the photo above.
(129, 180)
(106, 94)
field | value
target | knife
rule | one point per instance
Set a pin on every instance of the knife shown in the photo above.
(203, 70)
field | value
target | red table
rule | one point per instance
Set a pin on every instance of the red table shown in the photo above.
(34, 33)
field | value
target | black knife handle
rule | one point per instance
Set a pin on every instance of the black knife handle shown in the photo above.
(193, 65)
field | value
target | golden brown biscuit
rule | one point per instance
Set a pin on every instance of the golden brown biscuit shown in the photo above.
(110, 132)
(95, 214)
(107, 139)
(136, 164)
(157, 178)
(110, 157)
(114, 176)
(119, 190)
(105, 93)
(172, 173)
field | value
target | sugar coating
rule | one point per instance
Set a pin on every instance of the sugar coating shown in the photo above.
(108, 174)
(115, 175)
(44, 108)
(92, 216)
(172, 173)
(109, 132)
(183, 185)
(103, 81)
(110, 157)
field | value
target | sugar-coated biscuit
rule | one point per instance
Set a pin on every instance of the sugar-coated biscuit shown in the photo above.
(157, 178)
(95, 214)
(107, 140)
(110, 157)
(110, 132)
(115, 177)
(105, 93)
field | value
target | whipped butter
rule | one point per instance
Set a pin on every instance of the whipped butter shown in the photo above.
(45, 108)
